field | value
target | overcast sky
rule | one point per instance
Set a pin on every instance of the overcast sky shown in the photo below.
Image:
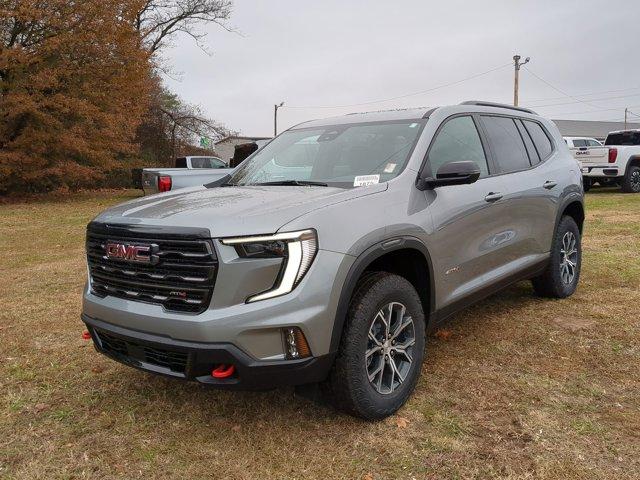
(345, 52)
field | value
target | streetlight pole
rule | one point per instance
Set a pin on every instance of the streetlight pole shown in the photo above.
(275, 118)
(516, 80)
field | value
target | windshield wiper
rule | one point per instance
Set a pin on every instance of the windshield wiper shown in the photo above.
(295, 183)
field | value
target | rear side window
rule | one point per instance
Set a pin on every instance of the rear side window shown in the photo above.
(206, 162)
(540, 138)
(593, 143)
(458, 140)
(506, 143)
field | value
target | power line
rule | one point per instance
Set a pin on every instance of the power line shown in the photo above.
(585, 94)
(591, 111)
(558, 90)
(402, 96)
(591, 99)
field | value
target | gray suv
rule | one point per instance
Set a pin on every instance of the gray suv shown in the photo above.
(328, 255)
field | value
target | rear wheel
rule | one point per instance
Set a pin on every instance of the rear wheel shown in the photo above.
(631, 181)
(560, 279)
(381, 349)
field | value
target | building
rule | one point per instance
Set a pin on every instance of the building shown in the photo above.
(225, 147)
(590, 128)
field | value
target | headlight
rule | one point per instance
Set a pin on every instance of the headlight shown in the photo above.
(297, 248)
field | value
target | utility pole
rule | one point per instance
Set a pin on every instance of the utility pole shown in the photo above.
(626, 110)
(275, 118)
(516, 81)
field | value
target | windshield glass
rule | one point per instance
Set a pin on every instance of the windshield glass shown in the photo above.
(339, 155)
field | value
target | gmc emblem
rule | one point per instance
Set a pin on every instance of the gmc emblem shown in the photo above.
(132, 253)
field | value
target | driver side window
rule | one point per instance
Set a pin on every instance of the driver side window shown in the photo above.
(458, 140)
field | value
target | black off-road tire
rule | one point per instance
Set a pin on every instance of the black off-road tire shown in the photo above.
(550, 283)
(631, 180)
(348, 387)
(586, 184)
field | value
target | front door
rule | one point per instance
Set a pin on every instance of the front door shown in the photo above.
(470, 222)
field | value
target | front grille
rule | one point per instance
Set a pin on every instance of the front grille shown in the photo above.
(128, 350)
(181, 277)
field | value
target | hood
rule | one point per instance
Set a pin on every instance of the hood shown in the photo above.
(231, 211)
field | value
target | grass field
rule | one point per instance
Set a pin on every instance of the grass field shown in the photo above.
(516, 387)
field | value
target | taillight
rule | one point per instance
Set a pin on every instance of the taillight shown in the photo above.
(164, 184)
(613, 154)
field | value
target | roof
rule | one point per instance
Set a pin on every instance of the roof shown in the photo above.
(241, 137)
(381, 115)
(417, 113)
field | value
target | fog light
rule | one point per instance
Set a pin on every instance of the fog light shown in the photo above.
(295, 343)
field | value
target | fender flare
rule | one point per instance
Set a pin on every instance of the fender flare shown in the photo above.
(359, 266)
(632, 159)
(573, 197)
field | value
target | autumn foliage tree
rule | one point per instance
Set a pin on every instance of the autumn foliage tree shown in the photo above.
(73, 90)
(79, 84)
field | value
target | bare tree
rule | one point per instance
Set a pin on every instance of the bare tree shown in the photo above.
(160, 20)
(173, 128)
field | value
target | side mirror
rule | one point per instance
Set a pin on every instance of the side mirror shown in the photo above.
(453, 173)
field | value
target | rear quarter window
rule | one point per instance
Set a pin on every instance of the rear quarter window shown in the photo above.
(540, 138)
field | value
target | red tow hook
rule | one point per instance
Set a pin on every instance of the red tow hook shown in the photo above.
(223, 371)
(86, 335)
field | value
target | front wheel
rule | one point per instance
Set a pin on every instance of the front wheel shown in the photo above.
(631, 181)
(381, 349)
(560, 279)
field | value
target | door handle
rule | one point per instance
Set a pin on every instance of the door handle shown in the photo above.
(493, 197)
(549, 184)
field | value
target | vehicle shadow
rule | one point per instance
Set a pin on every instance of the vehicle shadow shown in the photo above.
(204, 405)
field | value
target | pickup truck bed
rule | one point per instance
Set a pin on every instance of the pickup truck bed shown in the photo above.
(179, 177)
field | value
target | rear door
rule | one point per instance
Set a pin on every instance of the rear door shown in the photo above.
(523, 152)
(470, 221)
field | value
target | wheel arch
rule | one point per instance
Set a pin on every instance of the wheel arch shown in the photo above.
(380, 255)
(574, 209)
(633, 161)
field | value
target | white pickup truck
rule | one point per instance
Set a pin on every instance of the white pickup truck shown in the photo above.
(590, 153)
(188, 172)
(622, 164)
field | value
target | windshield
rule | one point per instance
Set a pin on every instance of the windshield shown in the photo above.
(339, 155)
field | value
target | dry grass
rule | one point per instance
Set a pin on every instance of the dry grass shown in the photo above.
(518, 387)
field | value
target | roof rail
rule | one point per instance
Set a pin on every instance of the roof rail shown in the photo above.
(497, 105)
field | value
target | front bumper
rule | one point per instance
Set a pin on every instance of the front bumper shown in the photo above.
(194, 360)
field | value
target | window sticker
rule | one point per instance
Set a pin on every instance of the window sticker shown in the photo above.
(366, 180)
(390, 168)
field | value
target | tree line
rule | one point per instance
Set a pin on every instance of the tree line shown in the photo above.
(81, 96)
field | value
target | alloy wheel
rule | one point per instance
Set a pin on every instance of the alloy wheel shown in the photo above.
(569, 258)
(389, 354)
(635, 180)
